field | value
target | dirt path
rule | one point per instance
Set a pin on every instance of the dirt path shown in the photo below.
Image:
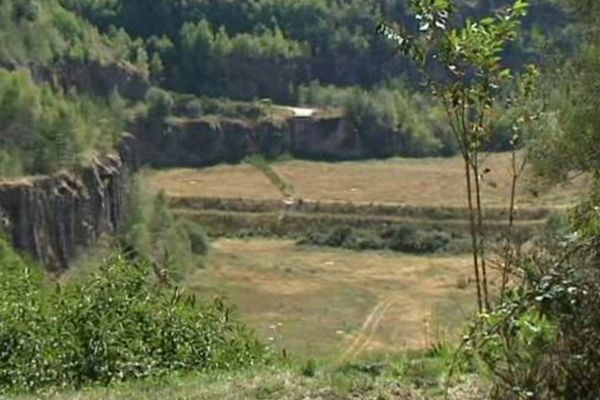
(365, 335)
(301, 111)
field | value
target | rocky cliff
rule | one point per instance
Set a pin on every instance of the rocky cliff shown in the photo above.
(93, 77)
(204, 141)
(51, 217)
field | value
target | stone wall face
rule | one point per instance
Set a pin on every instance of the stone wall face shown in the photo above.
(200, 142)
(51, 217)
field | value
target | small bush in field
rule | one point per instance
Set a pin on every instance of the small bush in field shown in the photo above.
(119, 325)
(198, 240)
(411, 240)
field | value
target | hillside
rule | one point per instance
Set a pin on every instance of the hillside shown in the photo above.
(61, 83)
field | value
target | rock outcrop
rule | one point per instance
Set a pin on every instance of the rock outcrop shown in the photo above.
(51, 217)
(100, 79)
(204, 141)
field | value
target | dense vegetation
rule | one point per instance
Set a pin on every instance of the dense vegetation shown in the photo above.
(406, 239)
(229, 47)
(172, 246)
(120, 324)
(41, 31)
(314, 52)
(43, 130)
(44, 126)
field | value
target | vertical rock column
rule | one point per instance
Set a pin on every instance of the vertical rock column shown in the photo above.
(51, 217)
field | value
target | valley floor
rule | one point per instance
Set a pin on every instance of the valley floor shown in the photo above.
(338, 304)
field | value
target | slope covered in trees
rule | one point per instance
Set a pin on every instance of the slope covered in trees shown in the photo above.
(44, 124)
(227, 48)
(315, 52)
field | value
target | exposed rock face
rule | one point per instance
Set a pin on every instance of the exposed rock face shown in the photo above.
(200, 142)
(102, 79)
(90, 77)
(193, 142)
(51, 217)
(338, 139)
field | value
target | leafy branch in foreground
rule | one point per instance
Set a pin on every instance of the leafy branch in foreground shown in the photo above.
(463, 69)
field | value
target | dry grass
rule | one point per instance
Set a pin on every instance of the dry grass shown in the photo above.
(338, 303)
(422, 182)
(228, 181)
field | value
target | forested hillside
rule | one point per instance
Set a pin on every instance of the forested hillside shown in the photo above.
(320, 53)
(45, 125)
(247, 49)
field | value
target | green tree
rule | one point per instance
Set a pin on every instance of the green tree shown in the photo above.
(463, 69)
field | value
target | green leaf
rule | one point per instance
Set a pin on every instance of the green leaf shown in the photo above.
(505, 73)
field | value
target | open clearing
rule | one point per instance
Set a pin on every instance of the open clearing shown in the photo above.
(226, 181)
(425, 182)
(336, 303)
(341, 304)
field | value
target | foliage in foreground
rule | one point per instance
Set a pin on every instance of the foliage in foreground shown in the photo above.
(542, 340)
(119, 325)
(414, 375)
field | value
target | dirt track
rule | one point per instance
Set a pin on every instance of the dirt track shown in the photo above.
(367, 331)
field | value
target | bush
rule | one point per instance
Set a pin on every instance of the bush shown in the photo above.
(153, 233)
(160, 103)
(194, 109)
(198, 239)
(120, 325)
(412, 240)
(542, 340)
(403, 238)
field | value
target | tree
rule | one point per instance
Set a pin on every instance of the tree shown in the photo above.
(573, 146)
(463, 68)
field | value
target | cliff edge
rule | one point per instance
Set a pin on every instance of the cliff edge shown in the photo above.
(51, 217)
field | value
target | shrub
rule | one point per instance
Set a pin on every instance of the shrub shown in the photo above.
(156, 235)
(412, 240)
(160, 103)
(120, 325)
(403, 238)
(542, 340)
(194, 109)
(198, 239)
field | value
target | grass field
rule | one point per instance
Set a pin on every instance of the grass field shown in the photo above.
(338, 304)
(418, 182)
(228, 181)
